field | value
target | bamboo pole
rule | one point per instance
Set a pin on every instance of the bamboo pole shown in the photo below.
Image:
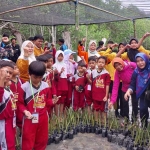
(76, 25)
(37, 5)
(89, 5)
(134, 28)
(86, 37)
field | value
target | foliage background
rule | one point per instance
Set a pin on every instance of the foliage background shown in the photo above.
(120, 31)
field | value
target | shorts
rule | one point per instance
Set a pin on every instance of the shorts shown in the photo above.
(111, 86)
(99, 105)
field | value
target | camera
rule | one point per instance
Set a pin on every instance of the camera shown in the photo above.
(49, 46)
(81, 88)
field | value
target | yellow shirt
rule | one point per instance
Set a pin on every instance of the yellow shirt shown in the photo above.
(23, 69)
(38, 51)
(141, 49)
(110, 56)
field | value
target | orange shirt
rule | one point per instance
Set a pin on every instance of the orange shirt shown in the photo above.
(23, 69)
(82, 53)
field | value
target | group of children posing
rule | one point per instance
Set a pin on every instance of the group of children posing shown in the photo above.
(31, 90)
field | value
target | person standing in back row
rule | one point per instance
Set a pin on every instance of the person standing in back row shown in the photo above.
(16, 50)
(63, 47)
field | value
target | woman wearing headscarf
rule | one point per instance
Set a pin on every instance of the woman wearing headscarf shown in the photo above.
(92, 49)
(25, 58)
(124, 71)
(140, 81)
(133, 49)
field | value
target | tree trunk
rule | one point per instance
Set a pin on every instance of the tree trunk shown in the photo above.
(66, 37)
(18, 36)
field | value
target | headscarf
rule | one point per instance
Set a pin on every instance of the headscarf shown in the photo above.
(67, 54)
(59, 65)
(143, 75)
(92, 53)
(31, 58)
(118, 60)
(69, 64)
(132, 52)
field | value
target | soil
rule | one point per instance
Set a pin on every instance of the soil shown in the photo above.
(86, 141)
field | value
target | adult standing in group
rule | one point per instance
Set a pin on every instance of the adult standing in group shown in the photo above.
(62, 45)
(25, 58)
(124, 71)
(53, 49)
(6, 51)
(140, 82)
(92, 49)
(16, 49)
(38, 42)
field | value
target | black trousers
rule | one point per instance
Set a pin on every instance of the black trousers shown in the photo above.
(144, 114)
(125, 106)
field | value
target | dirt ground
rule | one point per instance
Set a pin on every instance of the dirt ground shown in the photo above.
(85, 142)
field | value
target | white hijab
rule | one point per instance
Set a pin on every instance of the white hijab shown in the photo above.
(31, 57)
(59, 65)
(92, 53)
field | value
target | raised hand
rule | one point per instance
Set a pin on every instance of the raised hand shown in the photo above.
(146, 34)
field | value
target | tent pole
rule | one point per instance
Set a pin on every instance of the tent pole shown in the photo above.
(134, 28)
(76, 24)
(55, 35)
(36, 5)
(86, 36)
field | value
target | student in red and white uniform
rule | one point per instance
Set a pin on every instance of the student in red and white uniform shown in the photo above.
(7, 108)
(88, 88)
(79, 80)
(16, 83)
(61, 82)
(71, 68)
(100, 89)
(35, 100)
(49, 74)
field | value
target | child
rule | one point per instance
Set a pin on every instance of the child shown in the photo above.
(71, 68)
(60, 81)
(35, 100)
(50, 62)
(16, 83)
(88, 93)
(7, 108)
(100, 89)
(49, 74)
(79, 80)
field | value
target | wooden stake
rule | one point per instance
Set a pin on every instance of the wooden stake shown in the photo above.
(103, 10)
(37, 5)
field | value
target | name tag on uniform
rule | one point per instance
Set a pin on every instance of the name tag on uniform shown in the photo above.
(89, 87)
(35, 118)
(14, 121)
